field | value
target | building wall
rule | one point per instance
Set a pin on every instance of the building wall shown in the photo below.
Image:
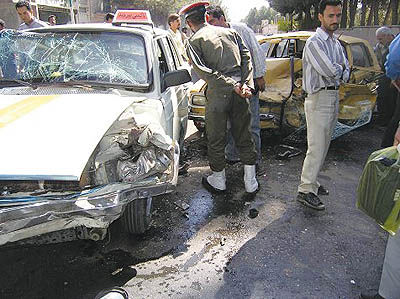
(367, 32)
(9, 14)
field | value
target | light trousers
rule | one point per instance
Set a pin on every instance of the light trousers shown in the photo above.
(321, 110)
(389, 287)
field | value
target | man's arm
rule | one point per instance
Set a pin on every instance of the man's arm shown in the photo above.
(320, 61)
(258, 59)
(245, 64)
(256, 52)
(346, 66)
(204, 71)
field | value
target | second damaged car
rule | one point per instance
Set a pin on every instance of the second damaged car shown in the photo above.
(91, 117)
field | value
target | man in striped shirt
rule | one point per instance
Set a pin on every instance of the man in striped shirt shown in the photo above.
(324, 68)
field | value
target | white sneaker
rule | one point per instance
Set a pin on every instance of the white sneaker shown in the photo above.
(250, 181)
(215, 182)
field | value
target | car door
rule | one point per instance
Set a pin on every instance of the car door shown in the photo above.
(175, 98)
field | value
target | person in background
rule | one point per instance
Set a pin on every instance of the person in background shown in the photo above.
(219, 57)
(174, 23)
(389, 287)
(2, 24)
(24, 11)
(386, 101)
(215, 16)
(109, 18)
(325, 67)
(52, 20)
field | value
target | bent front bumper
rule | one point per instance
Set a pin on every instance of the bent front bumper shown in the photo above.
(92, 208)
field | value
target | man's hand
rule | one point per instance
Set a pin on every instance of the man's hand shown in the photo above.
(397, 137)
(238, 89)
(260, 83)
(396, 83)
(243, 90)
(246, 91)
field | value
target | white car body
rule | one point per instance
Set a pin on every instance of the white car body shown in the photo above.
(75, 153)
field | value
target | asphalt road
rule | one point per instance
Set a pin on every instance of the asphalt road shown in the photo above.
(226, 246)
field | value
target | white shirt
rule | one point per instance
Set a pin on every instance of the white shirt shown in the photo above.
(177, 36)
(36, 23)
(324, 62)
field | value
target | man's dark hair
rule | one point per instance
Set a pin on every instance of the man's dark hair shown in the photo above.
(324, 3)
(2, 23)
(197, 18)
(51, 16)
(215, 11)
(172, 18)
(109, 16)
(23, 3)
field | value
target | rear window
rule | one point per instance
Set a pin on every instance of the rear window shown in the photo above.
(360, 55)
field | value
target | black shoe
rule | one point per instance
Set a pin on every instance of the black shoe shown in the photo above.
(209, 187)
(373, 296)
(322, 190)
(310, 200)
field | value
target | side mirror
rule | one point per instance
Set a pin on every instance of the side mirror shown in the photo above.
(174, 78)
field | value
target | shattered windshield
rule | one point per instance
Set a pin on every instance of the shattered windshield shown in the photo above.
(104, 57)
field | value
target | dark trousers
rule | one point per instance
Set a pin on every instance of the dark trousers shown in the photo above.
(386, 100)
(391, 128)
(220, 107)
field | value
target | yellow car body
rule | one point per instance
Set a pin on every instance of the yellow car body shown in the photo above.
(282, 103)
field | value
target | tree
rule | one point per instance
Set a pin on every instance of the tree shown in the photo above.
(395, 12)
(364, 4)
(255, 16)
(343, 23)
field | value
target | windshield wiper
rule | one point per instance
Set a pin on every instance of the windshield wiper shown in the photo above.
(105, 85)
(18, 83)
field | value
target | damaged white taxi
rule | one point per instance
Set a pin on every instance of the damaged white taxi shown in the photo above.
(91, 117)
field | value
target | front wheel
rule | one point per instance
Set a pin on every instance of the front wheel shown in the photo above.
(137, 216)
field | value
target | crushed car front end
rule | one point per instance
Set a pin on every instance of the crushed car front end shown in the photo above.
(83, 133)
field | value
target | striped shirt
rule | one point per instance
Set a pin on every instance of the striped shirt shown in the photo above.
(250, 41)
(324, 62)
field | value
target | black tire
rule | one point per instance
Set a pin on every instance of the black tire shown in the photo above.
(137, 216)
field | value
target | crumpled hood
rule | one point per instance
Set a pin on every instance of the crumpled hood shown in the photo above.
(54, 135)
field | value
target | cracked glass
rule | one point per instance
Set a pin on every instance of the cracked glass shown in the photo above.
(102, 57)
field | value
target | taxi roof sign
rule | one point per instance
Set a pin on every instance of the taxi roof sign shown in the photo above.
(132, 17)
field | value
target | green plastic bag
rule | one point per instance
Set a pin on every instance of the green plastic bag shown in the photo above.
(378, 192)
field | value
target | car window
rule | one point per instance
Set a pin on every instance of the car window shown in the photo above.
(177, 58)
(360, 55)
(300, 44)
(282, 49)
(109, 57)
(166, 50)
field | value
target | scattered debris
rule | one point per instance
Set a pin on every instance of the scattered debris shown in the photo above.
(285, 152)
(181, 204)
(183, 169)
(253, 213)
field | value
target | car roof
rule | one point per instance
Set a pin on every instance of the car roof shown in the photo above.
(98, 27)
(304, 35)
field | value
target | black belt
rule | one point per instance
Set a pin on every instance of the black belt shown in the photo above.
(330, 88)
